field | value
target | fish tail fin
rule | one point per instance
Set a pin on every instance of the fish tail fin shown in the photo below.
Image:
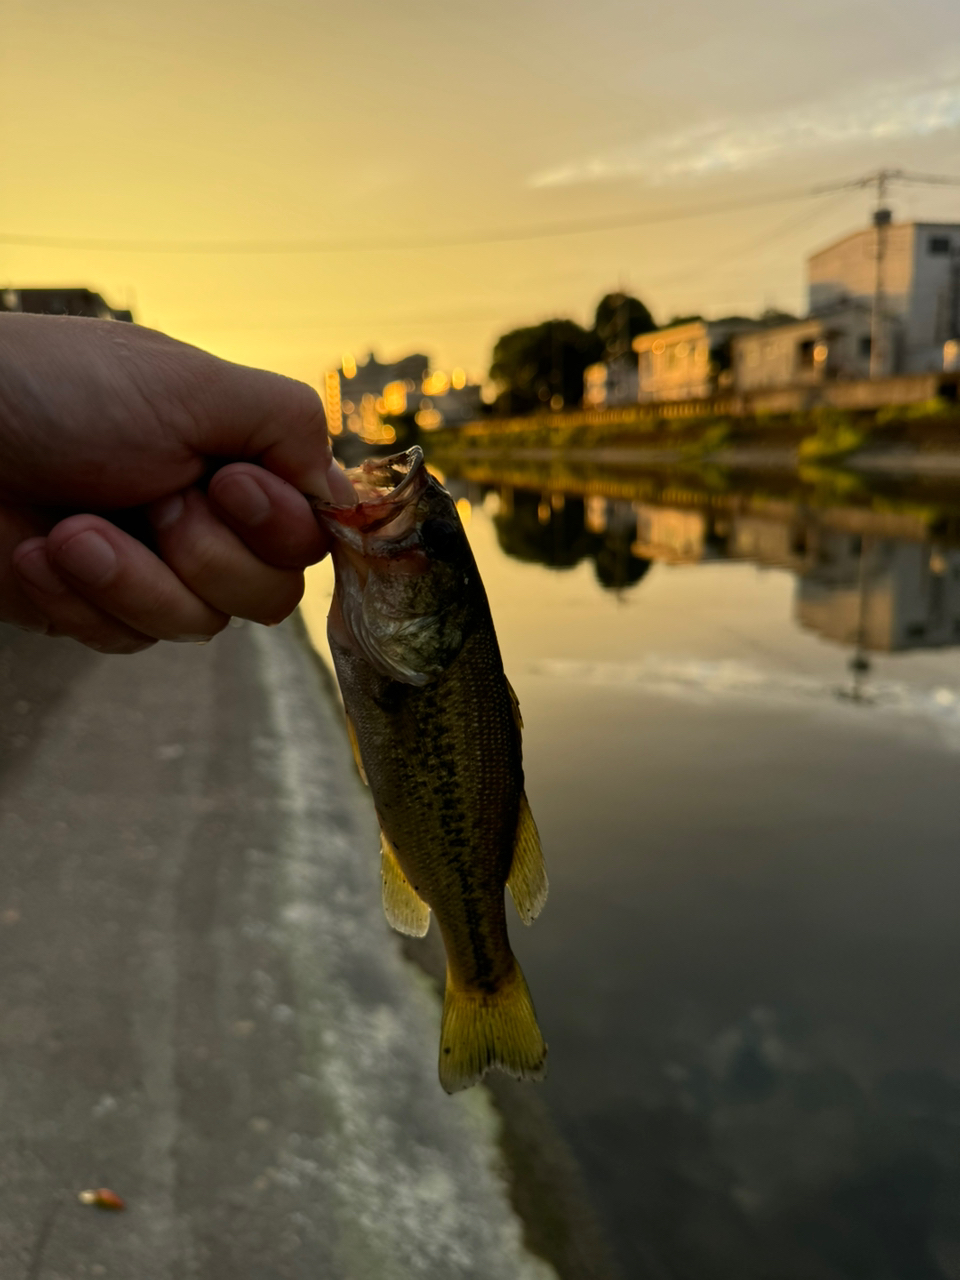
(481, 1030)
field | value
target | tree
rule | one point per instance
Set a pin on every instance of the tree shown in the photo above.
(619, 319)
(543, 363)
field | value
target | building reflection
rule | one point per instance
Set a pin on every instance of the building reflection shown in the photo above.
(869, 577)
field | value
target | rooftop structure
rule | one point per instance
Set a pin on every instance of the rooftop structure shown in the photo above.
(61, 302)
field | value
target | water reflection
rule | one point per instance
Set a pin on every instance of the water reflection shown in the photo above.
(555, 530)
(878, 580)
(744, 969)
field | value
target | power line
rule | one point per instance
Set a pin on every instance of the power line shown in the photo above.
(544, 231)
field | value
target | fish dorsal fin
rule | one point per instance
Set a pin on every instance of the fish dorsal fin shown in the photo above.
(355, 748)
(527, 881)
(405, 911)
(515, 705)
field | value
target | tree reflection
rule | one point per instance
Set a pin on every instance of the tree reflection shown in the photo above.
(554, 533)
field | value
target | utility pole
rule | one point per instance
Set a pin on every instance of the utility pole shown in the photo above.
(880, 353)
(879, 328)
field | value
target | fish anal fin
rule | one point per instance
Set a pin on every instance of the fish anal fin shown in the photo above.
(527, 881)
(355, 748)
(484, 1030)
(515, 706)
(405, 911)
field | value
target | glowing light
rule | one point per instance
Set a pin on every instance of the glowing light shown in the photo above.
(436, 473)
(428, 419)
(458, 379)
(464, 511)
(331, 400)
(436, 384)
(820, 352)
(349, 365)
(395, 397)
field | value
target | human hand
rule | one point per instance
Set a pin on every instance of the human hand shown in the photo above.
(101, 421)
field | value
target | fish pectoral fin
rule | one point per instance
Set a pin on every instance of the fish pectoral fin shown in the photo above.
(483, 1029)
(515, 706)
(405, 910)
(527, 881)
(355, 748)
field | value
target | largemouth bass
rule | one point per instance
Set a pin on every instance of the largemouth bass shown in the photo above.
(435, 728)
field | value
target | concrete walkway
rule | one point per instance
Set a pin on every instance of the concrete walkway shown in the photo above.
(201, 1006)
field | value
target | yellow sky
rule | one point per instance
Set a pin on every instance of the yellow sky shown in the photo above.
(372, 121)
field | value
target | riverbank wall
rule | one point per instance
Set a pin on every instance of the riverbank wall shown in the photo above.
(883, 422)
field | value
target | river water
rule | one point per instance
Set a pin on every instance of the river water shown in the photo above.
(742, 748)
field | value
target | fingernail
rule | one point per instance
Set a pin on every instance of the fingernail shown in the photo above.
(340, 487)
(35, 567)
(89, 558)
(241, 497)
(167, 511)
(331, 485)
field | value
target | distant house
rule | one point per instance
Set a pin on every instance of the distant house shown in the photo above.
(688, 361)
(61, 302)
(833, 344)
(921, 287)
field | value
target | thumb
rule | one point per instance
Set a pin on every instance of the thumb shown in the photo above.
(250, 414)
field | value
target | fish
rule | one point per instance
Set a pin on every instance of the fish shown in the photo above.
(435, 728)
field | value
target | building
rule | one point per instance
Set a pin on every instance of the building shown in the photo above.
(671, 534)
(881, 594)
(832, 344)
(358, 397)
(60, 302)
(688, 361)
(919, 265)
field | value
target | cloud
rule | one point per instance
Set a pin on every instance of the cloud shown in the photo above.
(881, 112)
(894, 706)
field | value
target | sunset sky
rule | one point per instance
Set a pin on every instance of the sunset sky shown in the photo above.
(400, 136)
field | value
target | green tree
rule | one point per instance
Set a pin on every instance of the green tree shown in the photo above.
(543, 363)
(619, 319)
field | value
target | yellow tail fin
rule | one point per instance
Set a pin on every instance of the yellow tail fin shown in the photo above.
(482, 1030)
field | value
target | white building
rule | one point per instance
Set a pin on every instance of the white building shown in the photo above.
(881, 594)
(833, 344)
(670, 534)
(921, 286)
(688, 361)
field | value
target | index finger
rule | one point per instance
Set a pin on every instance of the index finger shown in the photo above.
(238, 412)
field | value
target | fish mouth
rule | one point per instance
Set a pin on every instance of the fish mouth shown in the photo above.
(385, 487)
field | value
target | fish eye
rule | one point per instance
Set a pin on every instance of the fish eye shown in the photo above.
(440, 537)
